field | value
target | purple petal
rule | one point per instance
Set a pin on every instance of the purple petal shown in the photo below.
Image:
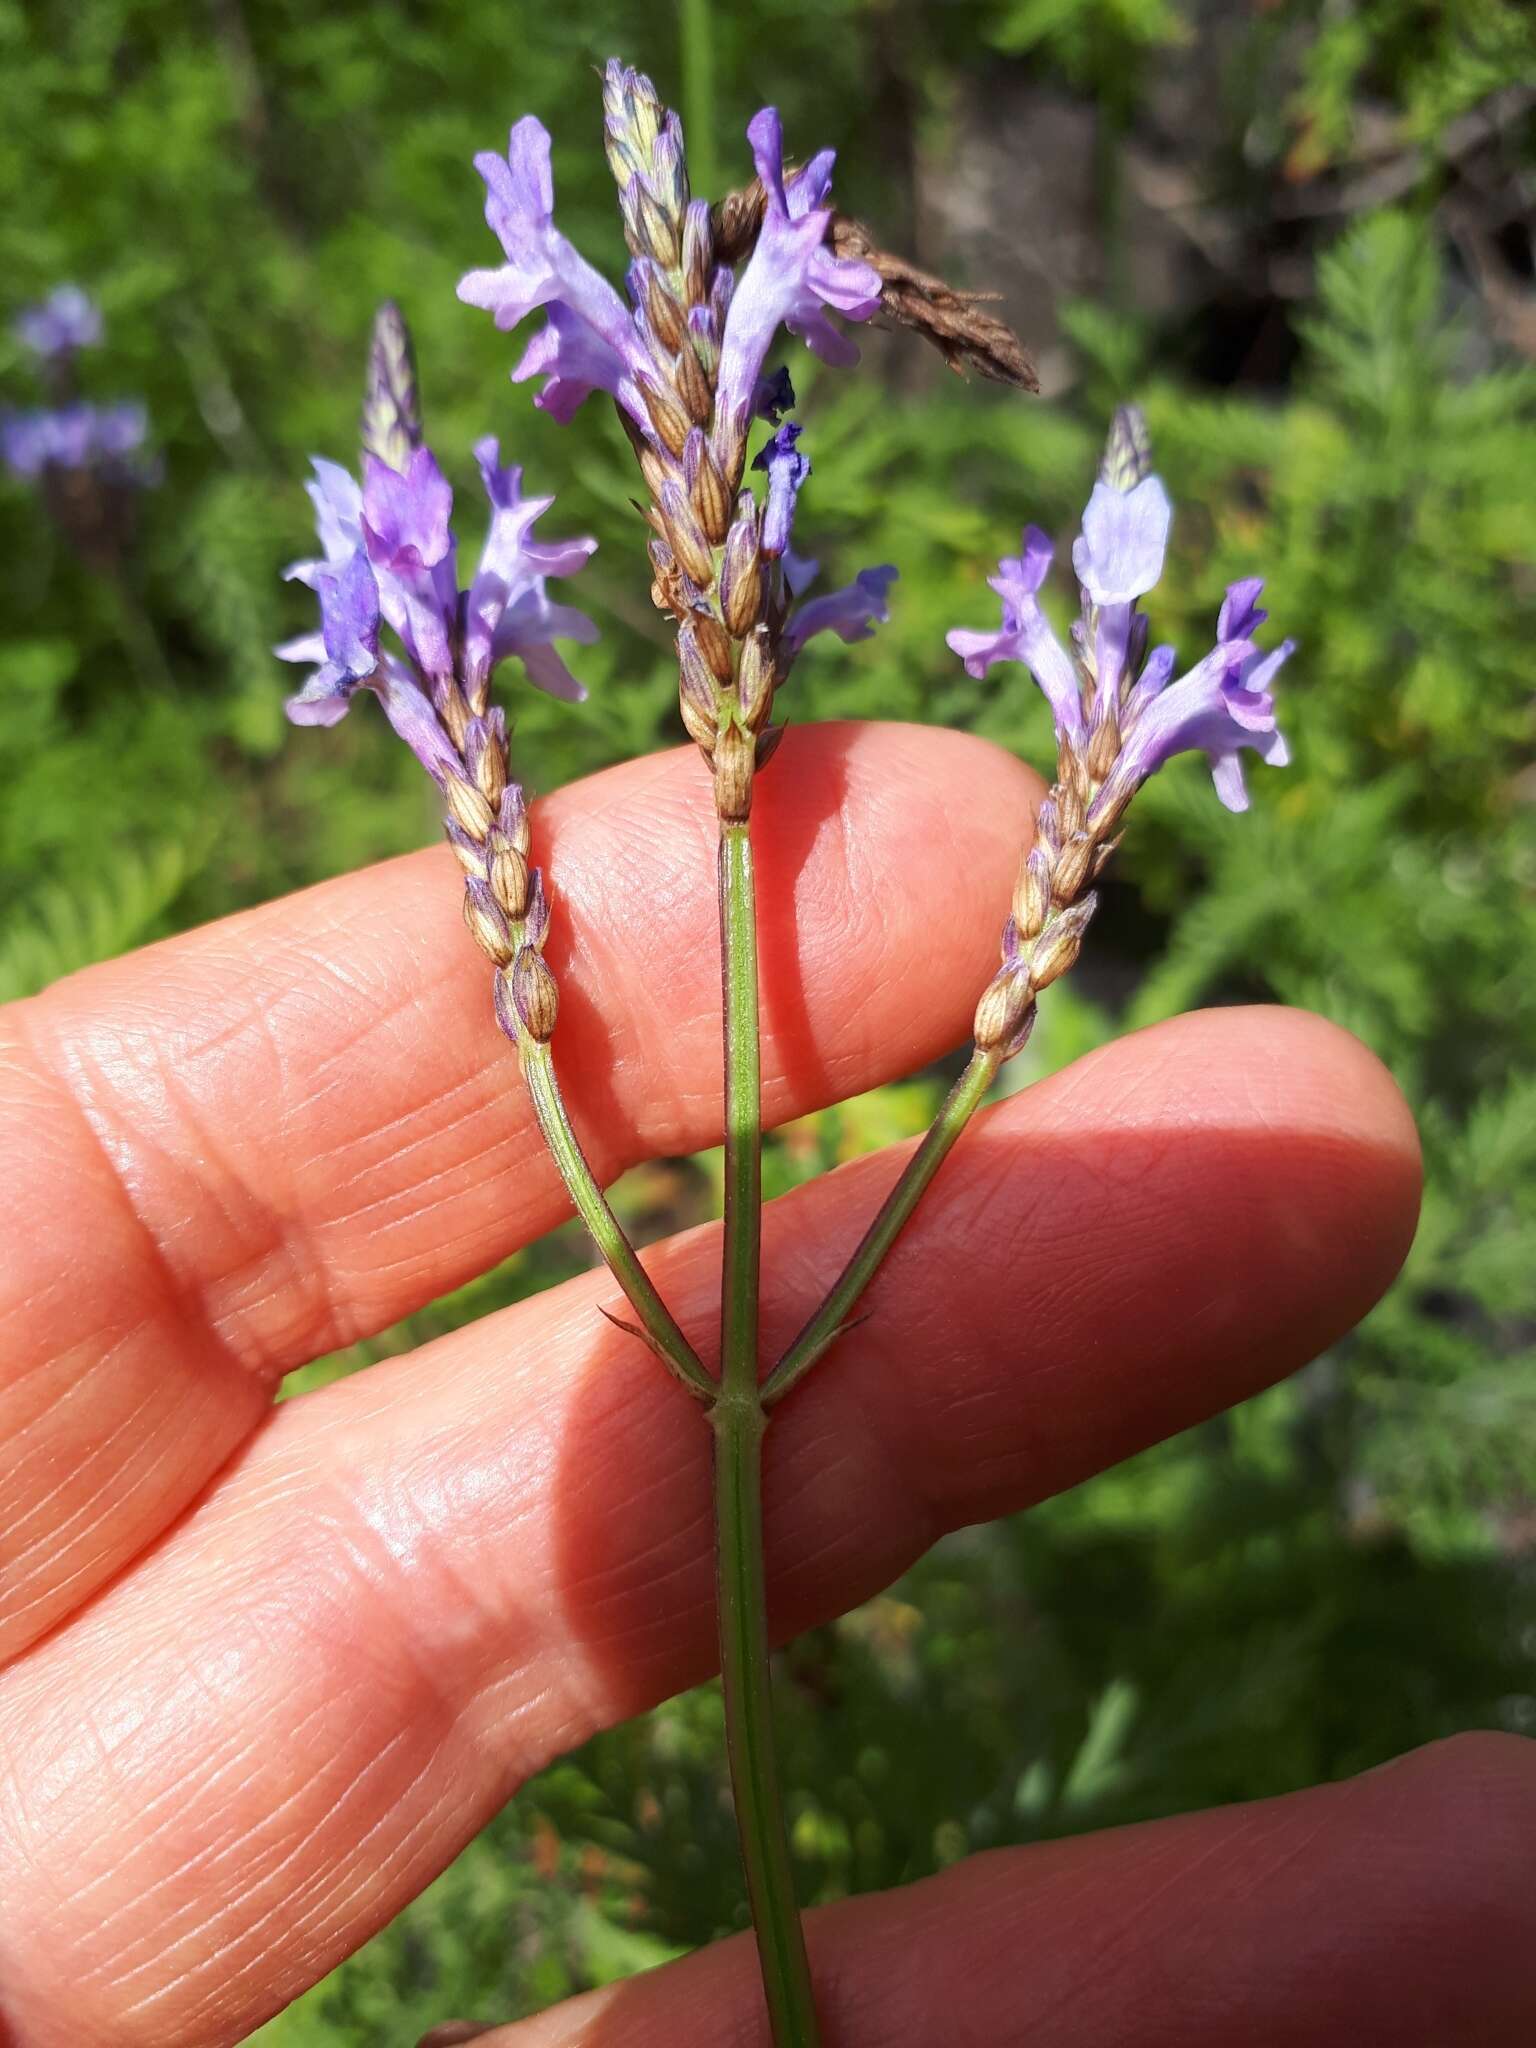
(544, 269)
(791, 279)
(507, 610)
(1240, 615)
(850, 613)
(1026, 635)
(787, 471)
(1119, 555)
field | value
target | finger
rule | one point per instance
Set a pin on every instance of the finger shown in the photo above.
(272, 1136)
(1397, 1907)
(418, 1585)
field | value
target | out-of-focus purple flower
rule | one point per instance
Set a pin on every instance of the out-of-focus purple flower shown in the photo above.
(852, 613)
(68, 319)
(1114, 686)
(79, 436)
(787, 470)
(791, 280)
(1026, 634)
(508, 610)
(593, 343)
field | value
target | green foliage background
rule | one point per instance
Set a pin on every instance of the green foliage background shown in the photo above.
(1338, 1570)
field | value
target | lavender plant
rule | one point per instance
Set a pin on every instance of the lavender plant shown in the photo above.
(687, 362)
(87, 459)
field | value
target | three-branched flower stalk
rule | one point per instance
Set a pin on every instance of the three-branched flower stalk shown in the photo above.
(686, 362)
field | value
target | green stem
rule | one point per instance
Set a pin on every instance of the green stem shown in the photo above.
(739, 1423)
(696, 38)
(657, 1325)
(822, 1331)
(743, 1115)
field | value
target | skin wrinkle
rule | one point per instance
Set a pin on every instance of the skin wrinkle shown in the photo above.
(191, 1298)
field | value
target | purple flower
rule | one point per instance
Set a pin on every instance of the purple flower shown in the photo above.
(347, 649)
(1026, 634)
(507, 610)
(851, 613)
(590, 341)
(791, 280)
(79, 436)
(1223, 704)
(787, 471)
(410, 544)
(388, 558)
(68, 319)
(573, 359)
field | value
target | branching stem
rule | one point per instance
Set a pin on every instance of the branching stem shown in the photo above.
(656, 1321)
(822, 1331)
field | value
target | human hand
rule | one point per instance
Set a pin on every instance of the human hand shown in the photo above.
(270, 1668)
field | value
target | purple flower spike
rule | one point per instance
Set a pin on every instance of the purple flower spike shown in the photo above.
(507, 611)
(79, 436)
(792, 280)
(1116, 695)
(787, 471)
(68, 319)
(851, 613)
(544, 269)
(1026, 634)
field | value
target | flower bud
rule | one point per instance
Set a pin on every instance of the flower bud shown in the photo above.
(668, 322)
(1104, 746)
(1060, 943)
(1073, 866)
(652, 229)
(470, 857)
(468, 809)
(707, 493)
(714, 645)
(686, 538)
(535, 997)
(735, 759)
(508, 872)
(512, 818)
(487, 926)
(698, 252)
(692, 385)
(1005, 1003)
(485, 757)
(741, 575)
(667, 417)
(1032, 894)
(698, 693)
(755, 679)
